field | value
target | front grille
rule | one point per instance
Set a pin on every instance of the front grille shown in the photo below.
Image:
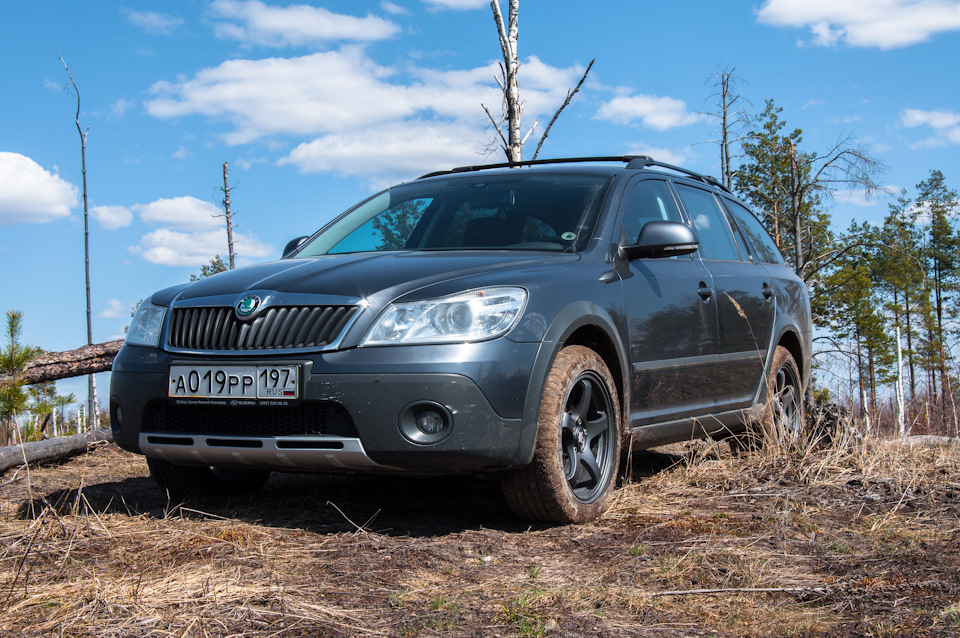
(314, 418)
(218, 329)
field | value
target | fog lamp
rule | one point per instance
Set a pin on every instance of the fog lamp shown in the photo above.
(429, 422)
(425, 422)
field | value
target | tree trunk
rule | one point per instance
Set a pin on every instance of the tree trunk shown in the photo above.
(51, 366)
(226, 208)
(57, 449)
(509, 34)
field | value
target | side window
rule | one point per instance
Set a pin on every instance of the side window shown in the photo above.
(766, 249)
(649, 200)
(716, 237)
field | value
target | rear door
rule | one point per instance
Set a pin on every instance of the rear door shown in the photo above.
(745, 298)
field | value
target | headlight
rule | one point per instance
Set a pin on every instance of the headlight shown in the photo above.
(145, 327)
(474, 315)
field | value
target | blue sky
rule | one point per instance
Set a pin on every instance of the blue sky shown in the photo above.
(316, 105)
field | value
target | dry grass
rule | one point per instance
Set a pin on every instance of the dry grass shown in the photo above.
(852, 539)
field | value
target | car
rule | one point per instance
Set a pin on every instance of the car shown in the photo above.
(530, 323)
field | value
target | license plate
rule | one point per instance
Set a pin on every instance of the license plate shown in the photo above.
(235, 382)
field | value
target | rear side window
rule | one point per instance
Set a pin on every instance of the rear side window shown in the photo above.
(713, 229)
(766, 250)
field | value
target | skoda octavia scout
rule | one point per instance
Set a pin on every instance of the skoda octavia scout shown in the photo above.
(529, 322)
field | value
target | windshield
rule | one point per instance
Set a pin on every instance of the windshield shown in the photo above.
(554, 212)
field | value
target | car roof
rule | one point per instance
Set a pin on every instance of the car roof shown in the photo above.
(604, 165)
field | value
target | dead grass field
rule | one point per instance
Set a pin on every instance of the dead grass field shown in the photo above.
(859, 540)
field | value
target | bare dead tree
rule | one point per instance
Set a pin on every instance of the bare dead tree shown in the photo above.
(845, 165)
(512, 108)
(229, 216)
(566, 102)
(732, 118)
(91, 379)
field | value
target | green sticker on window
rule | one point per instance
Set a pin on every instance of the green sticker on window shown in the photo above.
(568, 236)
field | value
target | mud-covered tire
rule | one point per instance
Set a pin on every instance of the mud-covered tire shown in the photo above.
(577, 451)
(782, 418)
(784, 410)
(182, 482)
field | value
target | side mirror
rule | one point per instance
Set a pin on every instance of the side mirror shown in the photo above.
(291, 246)
(662, 239)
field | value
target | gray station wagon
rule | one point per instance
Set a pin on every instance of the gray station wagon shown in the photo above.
(529, 322)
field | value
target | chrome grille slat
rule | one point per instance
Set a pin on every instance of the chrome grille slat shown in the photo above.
(211, 328)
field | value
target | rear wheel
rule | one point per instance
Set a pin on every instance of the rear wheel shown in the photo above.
(782, 418)
(182, 482)
(577, 450)
(785, 396)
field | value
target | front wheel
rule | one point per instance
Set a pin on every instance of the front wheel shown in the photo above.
(577, 449)
(182, 482)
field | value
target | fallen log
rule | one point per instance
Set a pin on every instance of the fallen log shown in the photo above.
(51, 366)
(59, 448)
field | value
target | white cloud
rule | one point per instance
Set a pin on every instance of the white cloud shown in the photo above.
(946, 126)
(458, 5)
(167, 247)
(660, 154)
(658, 113)
(119, 108)
(885, 24)
(191, 232)
(151, 22)
(115, 309)
(318, 93)
(181, 213)
(394, 9)
(392, 152)
(112, 217)
(31, 194)
(254, 22)
(936, 119)
(359, 113)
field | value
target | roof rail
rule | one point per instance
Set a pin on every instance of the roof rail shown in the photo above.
(536, 162)
(643, 161)
(632, 162)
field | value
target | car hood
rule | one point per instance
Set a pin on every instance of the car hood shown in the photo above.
(376, 277)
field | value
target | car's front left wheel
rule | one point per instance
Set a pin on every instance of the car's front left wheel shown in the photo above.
(577, 452)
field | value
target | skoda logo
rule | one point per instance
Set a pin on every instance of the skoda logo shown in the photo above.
(248, 306)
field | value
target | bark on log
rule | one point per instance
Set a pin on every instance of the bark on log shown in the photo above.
(58, 448)
(51, 366)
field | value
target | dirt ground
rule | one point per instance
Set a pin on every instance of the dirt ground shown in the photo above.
(862, 540)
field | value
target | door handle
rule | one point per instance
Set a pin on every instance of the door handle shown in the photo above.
(704, 291)
(767, 291)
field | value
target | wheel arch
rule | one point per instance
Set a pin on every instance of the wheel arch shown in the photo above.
(791, 341)
(585, 324)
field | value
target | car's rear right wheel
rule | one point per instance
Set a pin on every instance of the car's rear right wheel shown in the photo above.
(782, 417)
(577, 450)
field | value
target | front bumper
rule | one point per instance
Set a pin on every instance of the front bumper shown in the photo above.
(350, 418)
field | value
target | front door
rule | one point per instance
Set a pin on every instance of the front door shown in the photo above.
(672, 317)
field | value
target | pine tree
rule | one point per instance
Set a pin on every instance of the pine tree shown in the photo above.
(855, 314)
(899, 277)
(939, 204)
(13, 359)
